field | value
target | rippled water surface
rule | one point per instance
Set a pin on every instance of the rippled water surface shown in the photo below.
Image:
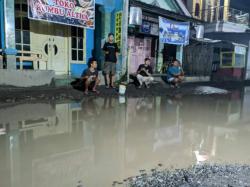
(99, 140)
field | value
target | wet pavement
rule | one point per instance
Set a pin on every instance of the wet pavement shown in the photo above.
(13, 95)
(95, 141)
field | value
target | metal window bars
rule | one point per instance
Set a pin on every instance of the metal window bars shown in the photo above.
(224, 14)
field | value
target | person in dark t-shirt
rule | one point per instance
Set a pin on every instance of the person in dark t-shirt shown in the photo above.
(144, 73)
(90, 77)
(111, 56)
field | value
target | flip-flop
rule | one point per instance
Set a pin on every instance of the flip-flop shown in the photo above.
(96, 91)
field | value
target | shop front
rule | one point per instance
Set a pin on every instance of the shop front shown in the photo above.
(143, 43)
(232, 62)
(43, 41)
(50, 41)
(144, 40)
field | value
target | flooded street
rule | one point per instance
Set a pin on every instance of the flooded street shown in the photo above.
(100, 140)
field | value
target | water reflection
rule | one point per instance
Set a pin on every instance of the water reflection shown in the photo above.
(100, 140)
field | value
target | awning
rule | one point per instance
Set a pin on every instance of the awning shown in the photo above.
(156, 11)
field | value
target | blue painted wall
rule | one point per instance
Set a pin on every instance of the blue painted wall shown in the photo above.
(89, 43)
(77, 69)
(1, 25)
(99, 2)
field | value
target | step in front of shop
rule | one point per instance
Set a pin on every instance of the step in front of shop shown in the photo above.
(26, 78)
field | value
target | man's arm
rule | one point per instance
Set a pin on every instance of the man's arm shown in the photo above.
(172, 72)
(85, 75)
(139, 69)
(105, 49)
(96, 75)
(150, 71)
(116, 55)
(182, 73)
(176, 74)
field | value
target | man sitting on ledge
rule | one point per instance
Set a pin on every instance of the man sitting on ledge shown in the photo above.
(144, 73)
(90, 77)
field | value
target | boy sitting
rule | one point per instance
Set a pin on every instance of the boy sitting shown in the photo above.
(90, 77)
(144, 73)
(175, 74)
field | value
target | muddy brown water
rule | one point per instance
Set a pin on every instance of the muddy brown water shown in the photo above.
(100, 140)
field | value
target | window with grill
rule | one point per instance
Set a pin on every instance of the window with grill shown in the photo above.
(227, 59)
(197, 10)
(22, 25)
(77, 47)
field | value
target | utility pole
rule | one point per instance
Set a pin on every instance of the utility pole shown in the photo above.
(125, 38)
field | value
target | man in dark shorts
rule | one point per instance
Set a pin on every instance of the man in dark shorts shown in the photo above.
(111, 55)
(90, 77)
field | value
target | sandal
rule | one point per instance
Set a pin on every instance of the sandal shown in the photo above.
(96, 91)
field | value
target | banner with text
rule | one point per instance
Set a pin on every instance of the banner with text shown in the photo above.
(79, 13)
(173, 32)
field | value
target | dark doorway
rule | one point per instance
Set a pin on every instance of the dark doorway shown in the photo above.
(97, 52)
(154, 52)
(169, 53)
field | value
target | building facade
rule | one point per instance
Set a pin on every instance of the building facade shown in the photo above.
(44, 46)
(228, 21)
(143, 40)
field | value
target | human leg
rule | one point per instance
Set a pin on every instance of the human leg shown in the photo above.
(108, 80)
(96, 83)
(113, 72)
(107, 70)
(148, 80)
(140, 79)
(172, 82)
(86, 86)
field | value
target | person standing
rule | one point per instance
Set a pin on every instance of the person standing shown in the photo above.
(111, 56)
(144, 73)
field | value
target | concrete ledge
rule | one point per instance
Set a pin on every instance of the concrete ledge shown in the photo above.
(197, 79)
(26, 78)
(158, 78)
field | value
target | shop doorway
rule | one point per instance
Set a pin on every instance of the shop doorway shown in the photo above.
(59, 45)
(169, 53)
(139, 49)
(47, 40)
(51, 40)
